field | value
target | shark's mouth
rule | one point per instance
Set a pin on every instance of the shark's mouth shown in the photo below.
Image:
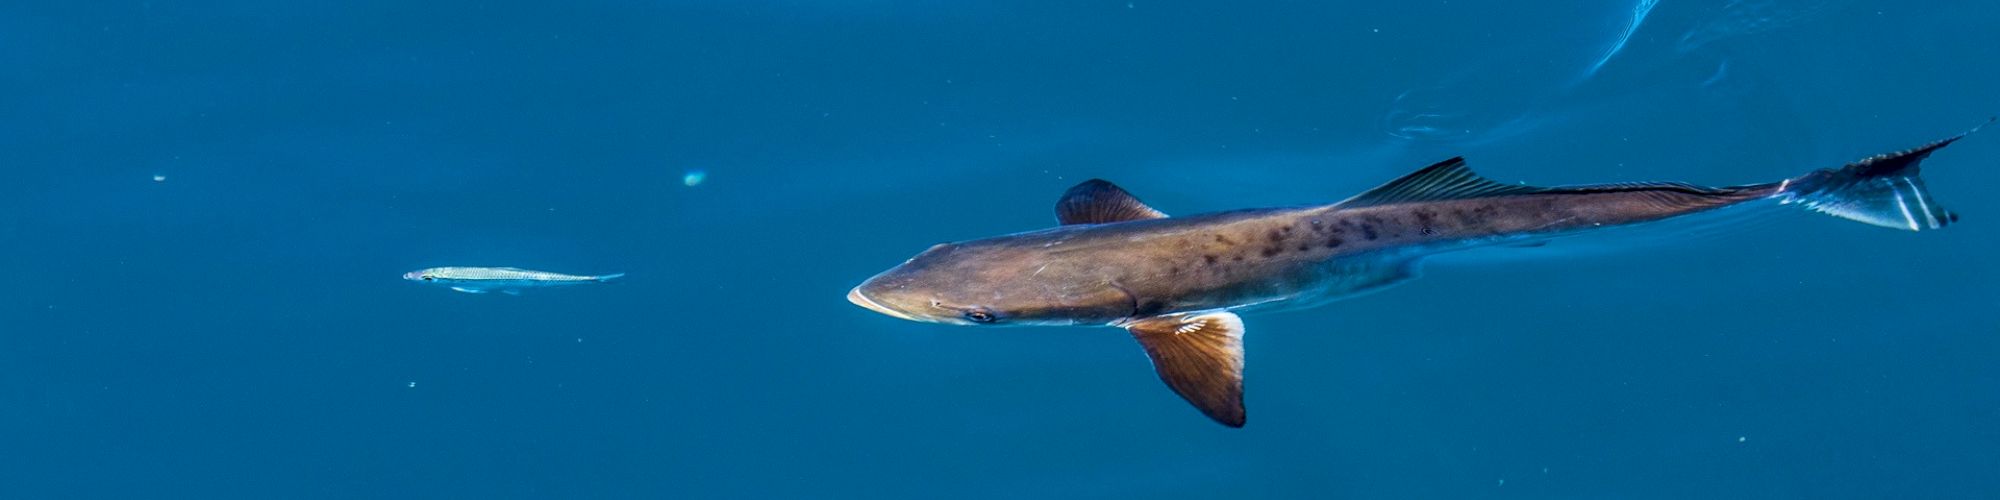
(862, 300)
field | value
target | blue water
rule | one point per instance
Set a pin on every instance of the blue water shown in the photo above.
(238, 328)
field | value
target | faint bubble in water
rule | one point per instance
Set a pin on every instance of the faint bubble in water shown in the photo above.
(694, 177)
(159, 178)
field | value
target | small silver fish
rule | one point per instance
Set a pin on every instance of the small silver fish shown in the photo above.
(507, 280)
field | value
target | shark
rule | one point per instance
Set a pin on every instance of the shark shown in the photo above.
(1176, 284)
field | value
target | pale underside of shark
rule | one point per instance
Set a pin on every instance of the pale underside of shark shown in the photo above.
(1174, 282)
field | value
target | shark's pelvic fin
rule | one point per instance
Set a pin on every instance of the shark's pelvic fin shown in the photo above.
(1097, 201)
(1199, 356)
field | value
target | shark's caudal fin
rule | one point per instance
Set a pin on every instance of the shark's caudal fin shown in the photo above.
(1883, 190)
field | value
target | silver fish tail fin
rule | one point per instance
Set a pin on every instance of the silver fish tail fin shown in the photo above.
(1882, 190)
(609, 277)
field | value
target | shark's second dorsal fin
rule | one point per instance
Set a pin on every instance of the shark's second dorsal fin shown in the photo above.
(1445, 180)
(1098, 201)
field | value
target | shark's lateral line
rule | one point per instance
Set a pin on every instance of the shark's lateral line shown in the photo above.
(1174, 282)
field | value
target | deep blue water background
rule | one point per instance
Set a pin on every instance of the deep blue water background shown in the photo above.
(239, 329)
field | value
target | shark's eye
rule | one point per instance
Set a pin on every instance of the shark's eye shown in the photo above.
(980, 316)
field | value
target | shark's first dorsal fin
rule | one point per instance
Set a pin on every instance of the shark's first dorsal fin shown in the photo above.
(1445, 180)
(1097, 201)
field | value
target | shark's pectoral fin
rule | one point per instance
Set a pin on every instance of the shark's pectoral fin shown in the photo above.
(1199, 356)
(1097, 201)
(468, 290)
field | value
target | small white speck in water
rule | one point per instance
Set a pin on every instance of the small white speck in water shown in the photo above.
(413, 385)
(694, 177)
(159, 177)
(1740, 439)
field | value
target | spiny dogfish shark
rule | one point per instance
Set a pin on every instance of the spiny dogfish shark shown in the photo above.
(507, 280)
(1175, 283)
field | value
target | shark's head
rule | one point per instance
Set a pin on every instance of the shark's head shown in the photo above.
(993, 282)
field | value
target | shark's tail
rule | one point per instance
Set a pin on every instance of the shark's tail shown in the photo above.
(1882, 190)
(609, 277)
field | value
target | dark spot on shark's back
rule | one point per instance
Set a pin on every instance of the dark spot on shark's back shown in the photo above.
(1274, 236)
(1371, 226)
(1272, 251)
(1426, 221)
(1481, 215)
(1333, 242)
(1208, 259)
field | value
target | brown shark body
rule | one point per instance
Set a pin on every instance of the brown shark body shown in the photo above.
(1173, 281)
